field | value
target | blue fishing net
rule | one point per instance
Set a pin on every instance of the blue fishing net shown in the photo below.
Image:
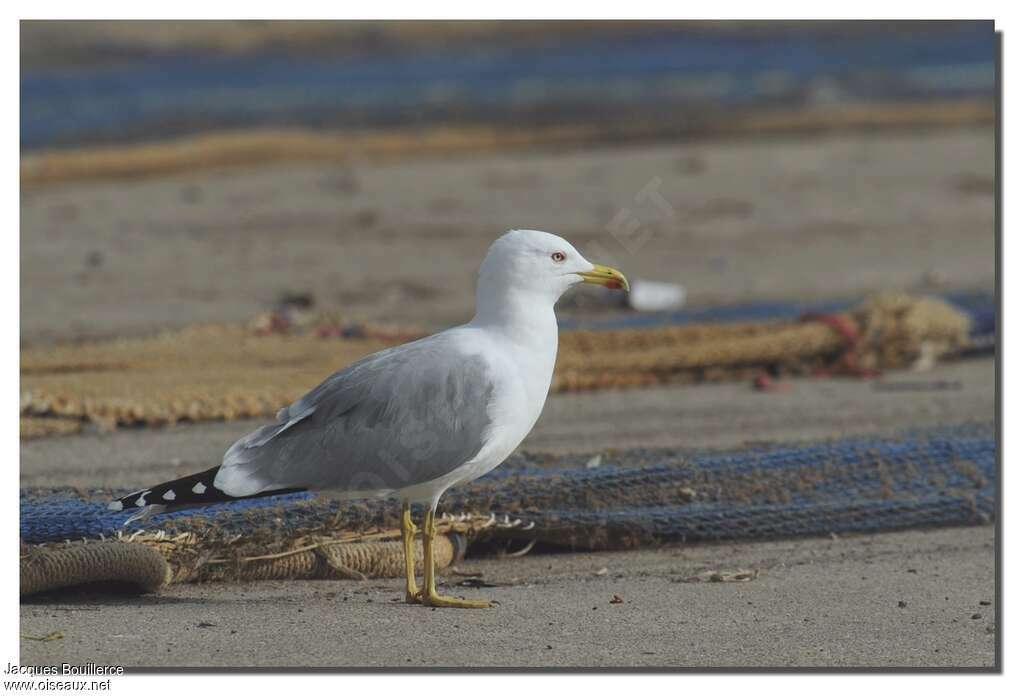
(980, 306)
(620, 499)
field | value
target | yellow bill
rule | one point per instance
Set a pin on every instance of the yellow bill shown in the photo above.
(606, 276)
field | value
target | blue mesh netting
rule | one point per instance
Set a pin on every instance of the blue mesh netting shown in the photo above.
(925, 477)
(979, 305)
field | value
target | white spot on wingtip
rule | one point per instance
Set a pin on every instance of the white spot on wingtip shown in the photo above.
(169, 495)
(116, 506)
(141, 502)
(199, 488)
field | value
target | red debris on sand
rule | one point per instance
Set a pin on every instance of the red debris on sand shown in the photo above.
(274, 323)
(847, 364)
(765, 382)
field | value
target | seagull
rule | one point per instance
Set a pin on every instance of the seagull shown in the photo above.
(411, 421)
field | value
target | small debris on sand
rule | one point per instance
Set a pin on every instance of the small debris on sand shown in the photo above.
(722, 576)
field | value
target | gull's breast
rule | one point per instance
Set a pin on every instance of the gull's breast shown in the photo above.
(521, 382)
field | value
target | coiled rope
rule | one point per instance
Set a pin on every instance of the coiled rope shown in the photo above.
(48, 568)
(148, 561)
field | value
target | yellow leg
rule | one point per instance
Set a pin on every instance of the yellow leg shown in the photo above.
(412, 593)
(429, 595)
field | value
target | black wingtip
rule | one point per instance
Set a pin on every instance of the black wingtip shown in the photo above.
(196, 489)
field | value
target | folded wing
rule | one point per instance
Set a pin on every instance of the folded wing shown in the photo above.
(397, 418)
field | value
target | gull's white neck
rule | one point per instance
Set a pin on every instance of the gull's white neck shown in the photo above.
(524, 317)
(523, 328)
(521, 319)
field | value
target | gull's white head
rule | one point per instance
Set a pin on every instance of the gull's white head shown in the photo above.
(538, 265)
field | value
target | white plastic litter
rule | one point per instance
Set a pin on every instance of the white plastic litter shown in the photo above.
(654, 296)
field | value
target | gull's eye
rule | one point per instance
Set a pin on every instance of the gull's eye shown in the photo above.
(558, 257)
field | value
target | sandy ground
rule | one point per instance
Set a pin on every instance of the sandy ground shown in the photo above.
(815, 602)
(890, 600)
(830, 216)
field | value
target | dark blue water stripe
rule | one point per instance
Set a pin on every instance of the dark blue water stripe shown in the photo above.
(174, 94)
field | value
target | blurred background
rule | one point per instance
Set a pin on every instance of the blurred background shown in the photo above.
(180, 172)
(217, 215)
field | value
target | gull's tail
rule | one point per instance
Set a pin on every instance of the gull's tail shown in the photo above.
(187, 492)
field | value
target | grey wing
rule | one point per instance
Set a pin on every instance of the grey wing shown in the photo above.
(397, 418)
